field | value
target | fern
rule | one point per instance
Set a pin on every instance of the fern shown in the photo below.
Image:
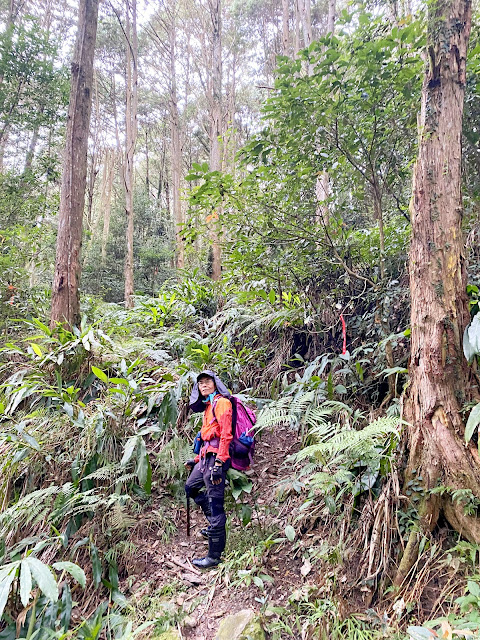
(119, 518)
(33, 507)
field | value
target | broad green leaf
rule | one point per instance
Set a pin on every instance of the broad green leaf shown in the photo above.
(474, 588)
(471, 338)
(290, 533)
(420, 633)
(100, 374)
(272, 296)
(66, 607)
(142, 462)
(67, 407)
(36, 349)
(119, 381)
(30, 440)
(74, 570)
(148, 482)
(25, 583)
(96, 565)
(258, 581)
(129, 449)
(468, 350)
(120, 599)
(5, 585)
(472, 422)
(44, 578)
(330, 386)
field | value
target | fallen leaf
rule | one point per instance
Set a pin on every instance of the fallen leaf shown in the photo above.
(306, 567)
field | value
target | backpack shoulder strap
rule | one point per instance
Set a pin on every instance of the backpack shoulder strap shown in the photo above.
(233, 402)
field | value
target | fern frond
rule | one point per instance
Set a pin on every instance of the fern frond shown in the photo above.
(30, 509)
(119, 519)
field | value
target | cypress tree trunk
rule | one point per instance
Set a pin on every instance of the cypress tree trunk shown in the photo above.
(438, 370)
(285, 27)
(130, 140)
(65, 294)
(216, 124)
(176, 142)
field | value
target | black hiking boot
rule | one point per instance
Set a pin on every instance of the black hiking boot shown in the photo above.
(216, 545)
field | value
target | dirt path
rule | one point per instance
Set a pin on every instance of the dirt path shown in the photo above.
(204, 598)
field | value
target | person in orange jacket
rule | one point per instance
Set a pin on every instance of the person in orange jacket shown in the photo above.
(209, 468)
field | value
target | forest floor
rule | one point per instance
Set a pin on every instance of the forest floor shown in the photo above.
(164, 577)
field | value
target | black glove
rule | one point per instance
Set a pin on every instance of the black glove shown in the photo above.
(190, 464)
(216, 475)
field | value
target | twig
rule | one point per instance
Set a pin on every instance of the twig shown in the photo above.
(185, 567)
(210, 598)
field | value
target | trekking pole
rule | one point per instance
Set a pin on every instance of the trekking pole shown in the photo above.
(188, 506)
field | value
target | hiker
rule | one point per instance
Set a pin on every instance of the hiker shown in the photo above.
(209, 469)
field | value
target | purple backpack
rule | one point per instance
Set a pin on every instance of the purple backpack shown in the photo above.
(242, 447)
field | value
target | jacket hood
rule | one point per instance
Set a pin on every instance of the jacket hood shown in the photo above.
(196, 399)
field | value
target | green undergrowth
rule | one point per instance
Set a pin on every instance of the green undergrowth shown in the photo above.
(94, 433)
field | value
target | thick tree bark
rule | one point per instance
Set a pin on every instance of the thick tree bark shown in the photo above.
(130, 140)
(216, 124)
(65, 294)
(439, 310)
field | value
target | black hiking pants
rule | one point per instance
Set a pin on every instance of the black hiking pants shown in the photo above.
(210, 497)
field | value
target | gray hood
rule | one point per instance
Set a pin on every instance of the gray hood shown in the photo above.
(196, 399)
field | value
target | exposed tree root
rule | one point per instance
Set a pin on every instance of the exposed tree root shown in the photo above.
(440, 457)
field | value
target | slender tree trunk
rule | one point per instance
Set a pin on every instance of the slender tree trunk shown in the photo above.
(306, 19)
(130, 140)
(107, 200)
(176, 144)
(322, 188)
(147, 165)
(296, 47)
(332, 9)
(92, 170)
(378, 214)
(216, 124)
(31, 150)
(65, 294)
(285, 27)
(439, 310)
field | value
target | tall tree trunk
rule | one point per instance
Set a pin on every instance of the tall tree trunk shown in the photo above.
(296, 45)
(130, 140)
(106, 201)
(332, 9)
(176, 144)
(322, 187)
(65, 294)
(92, 170)
(31, 150)
(285, 27)
(306, 20)
(439, 310)
(216, 124)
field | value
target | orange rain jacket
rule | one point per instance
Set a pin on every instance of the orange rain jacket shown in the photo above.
(218, 426)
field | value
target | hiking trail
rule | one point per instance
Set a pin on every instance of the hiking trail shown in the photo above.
(204, 598)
